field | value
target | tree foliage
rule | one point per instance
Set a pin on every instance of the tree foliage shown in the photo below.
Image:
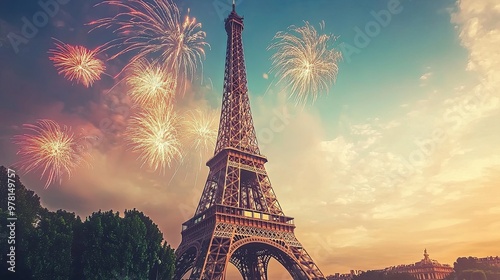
(27, 211)
(51, 245)
(58, 245)
(472, 269)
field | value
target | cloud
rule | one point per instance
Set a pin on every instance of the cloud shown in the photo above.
(425, 78)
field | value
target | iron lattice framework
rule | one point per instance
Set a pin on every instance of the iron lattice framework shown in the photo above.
(239, 219)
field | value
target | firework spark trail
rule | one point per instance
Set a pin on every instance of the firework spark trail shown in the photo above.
(150, 83)
(51, 147)
(153, 134)
(155, 29)
(77, 63)
(201, 129)
(305, 61)
(200, 133)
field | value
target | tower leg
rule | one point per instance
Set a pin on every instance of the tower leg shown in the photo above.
(185, 261)
(212, 260)
(252, 266)
(258, 268)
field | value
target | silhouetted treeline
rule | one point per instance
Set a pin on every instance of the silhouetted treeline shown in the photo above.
(59, 245)
(472, 269)
(382, 275)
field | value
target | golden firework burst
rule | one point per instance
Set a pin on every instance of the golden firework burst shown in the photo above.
(304, 59)
(51, 148)
(149, 83)
(152, 133)
(77, 63)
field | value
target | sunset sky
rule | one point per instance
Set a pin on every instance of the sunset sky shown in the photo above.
(402, 154)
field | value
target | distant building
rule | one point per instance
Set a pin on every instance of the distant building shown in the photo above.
(491, 261)
(425, 269)
(347, 276)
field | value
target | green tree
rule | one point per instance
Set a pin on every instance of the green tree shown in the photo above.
(101, 255)
(465, 268)
(27, 211)
(154, 239)
(77, 250)
(134, 249)
(51, 245)
(465, 274)
(166, 262)
(58, 245)
(125, 248)
(478, 275)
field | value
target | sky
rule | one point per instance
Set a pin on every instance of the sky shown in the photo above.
(400, 155)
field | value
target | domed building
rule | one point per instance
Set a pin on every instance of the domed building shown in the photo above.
(425, 269)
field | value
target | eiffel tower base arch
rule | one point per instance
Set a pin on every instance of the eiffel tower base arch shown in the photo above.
(248, 248)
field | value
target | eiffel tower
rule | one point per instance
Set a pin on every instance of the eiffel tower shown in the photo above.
(239, 219)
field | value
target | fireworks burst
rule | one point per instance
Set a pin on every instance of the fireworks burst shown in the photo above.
(201, 129)
(153, 134)
(51, 147)
(77, 63)
(304, 60)
(155, 29)
(149, 83)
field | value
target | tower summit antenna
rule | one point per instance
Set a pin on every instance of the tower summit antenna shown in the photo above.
(234, 6)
